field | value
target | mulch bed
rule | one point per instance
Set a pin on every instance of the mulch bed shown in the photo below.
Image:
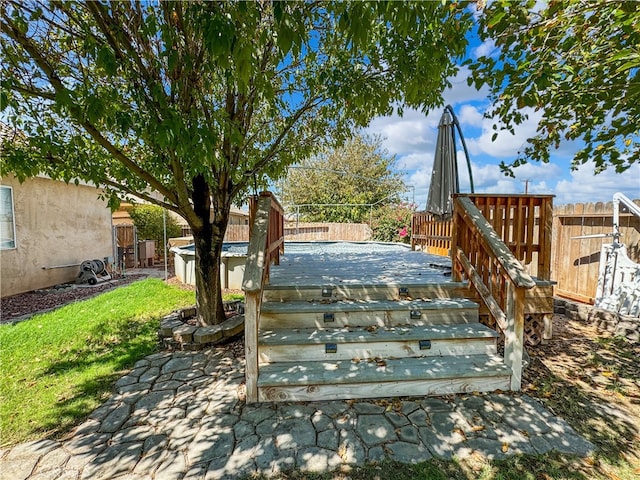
(23, 305)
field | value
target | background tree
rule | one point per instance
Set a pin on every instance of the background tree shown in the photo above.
(358, 173)
(150, 222)
(575, 61)
(184, 103)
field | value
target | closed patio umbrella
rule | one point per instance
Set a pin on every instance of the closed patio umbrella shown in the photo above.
(444, 177)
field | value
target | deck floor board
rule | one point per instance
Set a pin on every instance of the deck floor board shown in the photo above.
(344, 268)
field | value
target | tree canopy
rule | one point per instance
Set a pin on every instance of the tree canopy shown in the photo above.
(577, 62)
(187, 104)
(343, 184)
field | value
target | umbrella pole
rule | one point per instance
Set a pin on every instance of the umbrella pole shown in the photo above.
(464, 144)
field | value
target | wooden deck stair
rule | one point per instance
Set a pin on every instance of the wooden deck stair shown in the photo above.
(364, 341)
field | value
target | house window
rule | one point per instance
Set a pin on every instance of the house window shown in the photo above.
(7, 219)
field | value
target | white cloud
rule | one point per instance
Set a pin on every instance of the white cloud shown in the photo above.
(410, 133)
(536, 171)
(470, 115)
(416, 160)
(461, 92)
(413, 137)
(506, 144)
(420, 179)
(417, 132)
(486, 48)
(488, 178)
(585, 186)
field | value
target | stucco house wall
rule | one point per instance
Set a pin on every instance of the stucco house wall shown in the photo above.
(55, 224)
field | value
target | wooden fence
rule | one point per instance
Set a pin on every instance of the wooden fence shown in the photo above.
(576, 261)
(237, 233)
(354, 232)
(124, 240)
(306, 232)
(571, 262)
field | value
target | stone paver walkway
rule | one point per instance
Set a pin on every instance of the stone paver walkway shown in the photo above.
(180, 416)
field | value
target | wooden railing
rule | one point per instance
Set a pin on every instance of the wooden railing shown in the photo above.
(479, 254)
(431, 234)
(266, 243)
(522, 222)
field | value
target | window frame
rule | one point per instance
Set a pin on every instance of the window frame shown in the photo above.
(13, 220)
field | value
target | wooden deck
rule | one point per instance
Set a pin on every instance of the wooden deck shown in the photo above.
(361, 321)
(359, 266)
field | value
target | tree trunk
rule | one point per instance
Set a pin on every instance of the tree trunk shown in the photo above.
(208, 284)
(208, 237)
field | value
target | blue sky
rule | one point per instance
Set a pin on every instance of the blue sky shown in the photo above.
(412, 139)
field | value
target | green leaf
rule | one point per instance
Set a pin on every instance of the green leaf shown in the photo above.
(203, 94)
(496, 18)
(107, 60)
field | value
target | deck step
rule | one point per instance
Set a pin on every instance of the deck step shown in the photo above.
(365, 343)
(357, 291)
(342, 379)
(381, 313)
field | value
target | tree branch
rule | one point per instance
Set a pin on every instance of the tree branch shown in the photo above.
(144, 196)
(14, 32)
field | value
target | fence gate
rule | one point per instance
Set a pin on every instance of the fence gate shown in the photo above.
(125, 238)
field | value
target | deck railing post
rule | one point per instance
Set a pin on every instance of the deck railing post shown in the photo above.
(453, 249)
(514, 334)
(413, 231)
(546, 231)
(251, 315)
(253, 284)
(265, 245)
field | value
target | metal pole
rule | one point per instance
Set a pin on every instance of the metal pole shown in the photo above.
(449, 108)
(164, 250)
(135, 247)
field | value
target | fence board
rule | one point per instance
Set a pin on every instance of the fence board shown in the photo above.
(237, 233)
(575, 262)
(352, 232)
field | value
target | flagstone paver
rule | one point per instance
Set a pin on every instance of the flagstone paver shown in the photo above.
(181, 416)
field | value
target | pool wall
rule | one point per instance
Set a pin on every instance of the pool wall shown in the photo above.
(231, 267)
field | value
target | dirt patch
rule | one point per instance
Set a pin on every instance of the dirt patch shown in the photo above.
(592, 380)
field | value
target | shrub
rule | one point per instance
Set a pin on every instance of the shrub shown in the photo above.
(392, 223)
(149, 224)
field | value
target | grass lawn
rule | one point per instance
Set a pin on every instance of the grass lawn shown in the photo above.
(59, 366)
